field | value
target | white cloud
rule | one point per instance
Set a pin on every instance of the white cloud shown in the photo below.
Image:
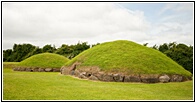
(66, 22)
(184, 7)
(57, 23)
(172, 31)
(176, 7)
(175, 24)
(167, 7)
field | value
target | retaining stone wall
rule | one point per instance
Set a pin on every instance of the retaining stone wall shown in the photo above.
(36, 69)
(93, 73)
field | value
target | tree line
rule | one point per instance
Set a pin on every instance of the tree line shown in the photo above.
(180, 53)
(20, 52)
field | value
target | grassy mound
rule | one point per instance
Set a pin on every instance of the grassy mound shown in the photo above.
(44, 60)
(128, 57)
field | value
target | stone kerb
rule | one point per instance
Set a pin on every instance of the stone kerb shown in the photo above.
(36, 69)
(94, 73)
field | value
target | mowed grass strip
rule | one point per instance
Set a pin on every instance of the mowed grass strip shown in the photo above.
(53, 86)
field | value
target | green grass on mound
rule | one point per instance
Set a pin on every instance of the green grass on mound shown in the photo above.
(44, 60)
(128, 57)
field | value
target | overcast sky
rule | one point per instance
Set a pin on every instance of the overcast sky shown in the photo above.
(57, 23)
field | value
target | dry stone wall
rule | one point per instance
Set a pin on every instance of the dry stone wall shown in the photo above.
(36, 69)
(94, 73)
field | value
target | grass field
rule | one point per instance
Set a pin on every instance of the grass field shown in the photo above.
(53, 86)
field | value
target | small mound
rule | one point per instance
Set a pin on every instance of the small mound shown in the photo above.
(44, 60)
(127, 57)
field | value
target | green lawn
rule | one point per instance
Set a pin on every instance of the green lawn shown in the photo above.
(54, 86)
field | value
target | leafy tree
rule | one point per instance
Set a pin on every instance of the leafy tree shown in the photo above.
(163, 47)
(6, 55)
(48, 48)
(72, 50)
(64, 50)
(37, 50)
(155, 47)
(180, 53)
(23, 51)
(145, 44)
(95, 44)
(20, 51)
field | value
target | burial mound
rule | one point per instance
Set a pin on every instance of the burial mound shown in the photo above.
(44, 62)
(125, 61)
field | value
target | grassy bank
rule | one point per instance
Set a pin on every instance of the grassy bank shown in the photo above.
(53, 86)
